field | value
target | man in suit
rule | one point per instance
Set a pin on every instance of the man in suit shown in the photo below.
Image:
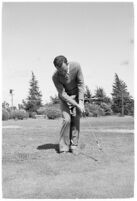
(69, 82)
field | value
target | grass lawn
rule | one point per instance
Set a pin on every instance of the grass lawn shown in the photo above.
(32, 168)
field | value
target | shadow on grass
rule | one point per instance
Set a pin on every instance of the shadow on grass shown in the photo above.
(49, 146)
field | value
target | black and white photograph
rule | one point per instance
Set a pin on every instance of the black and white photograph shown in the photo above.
(68, 100)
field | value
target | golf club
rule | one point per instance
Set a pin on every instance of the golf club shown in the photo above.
(73, 113)
(95, 137)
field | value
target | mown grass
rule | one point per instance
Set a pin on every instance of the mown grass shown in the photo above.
(32, 168)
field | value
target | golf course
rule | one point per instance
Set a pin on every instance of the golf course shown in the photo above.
(33, 168)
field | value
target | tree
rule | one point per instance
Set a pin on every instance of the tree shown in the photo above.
(87, 94)
(101, 96)
(5, 105)
(34, 101)
(120, 97)
(20, 106)
(129, 109)
(54, 99)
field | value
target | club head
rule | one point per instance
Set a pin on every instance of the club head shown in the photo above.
(99, 146)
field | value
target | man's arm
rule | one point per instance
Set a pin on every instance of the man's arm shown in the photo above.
(62, 93)
(80, 84)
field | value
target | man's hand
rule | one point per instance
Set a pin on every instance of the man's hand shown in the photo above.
(81, 107)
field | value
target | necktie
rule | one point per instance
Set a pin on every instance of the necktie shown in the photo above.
(67, 75)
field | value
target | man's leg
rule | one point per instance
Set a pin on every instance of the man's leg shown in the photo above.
(75, 129)
(64, 141)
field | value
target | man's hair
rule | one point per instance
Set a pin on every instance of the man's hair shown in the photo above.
(59, 60)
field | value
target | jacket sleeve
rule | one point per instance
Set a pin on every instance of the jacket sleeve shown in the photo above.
(62, 93)
(80, 84)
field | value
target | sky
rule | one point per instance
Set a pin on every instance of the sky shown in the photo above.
(99, 36)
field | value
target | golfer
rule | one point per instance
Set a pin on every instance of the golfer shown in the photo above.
(69, 82)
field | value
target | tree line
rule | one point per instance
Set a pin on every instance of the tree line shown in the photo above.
(121, 102)
(96, 104)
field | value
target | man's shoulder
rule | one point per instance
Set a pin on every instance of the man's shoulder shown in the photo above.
(74, 65)
(55, 74)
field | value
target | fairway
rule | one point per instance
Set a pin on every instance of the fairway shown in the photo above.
(32, 167)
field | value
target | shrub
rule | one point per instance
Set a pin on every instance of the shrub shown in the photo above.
(22, 114)
(53, 113)
(5, 114)
(87, 110)
(18, 114)
(12, 114)
(41, 111)
(32, 115)
(107, 108)
(93, 110)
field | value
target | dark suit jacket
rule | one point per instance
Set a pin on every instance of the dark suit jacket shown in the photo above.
(74, 85)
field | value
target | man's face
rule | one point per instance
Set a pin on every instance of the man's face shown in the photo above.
(63, 69)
